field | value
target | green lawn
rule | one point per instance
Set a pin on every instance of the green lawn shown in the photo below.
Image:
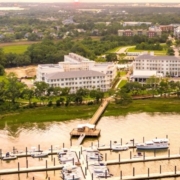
(2, 78)
(114, 50)
(160, 53)
(18, 49)
(122, 83)
(123, 73)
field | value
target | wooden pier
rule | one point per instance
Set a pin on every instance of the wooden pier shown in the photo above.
(87, 132)
(142, 159)
(30, 169)
(99, 112)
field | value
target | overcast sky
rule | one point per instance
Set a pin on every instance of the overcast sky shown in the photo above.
(134, 1)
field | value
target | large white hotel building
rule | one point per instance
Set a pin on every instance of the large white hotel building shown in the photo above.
(78, 72)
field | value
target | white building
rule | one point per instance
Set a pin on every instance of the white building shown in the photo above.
(177, 32)
(78, 72)
(136, 23)
(167, 65)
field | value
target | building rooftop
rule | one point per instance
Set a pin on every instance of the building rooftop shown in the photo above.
(151, 57)
(73, 74)
(145, 74)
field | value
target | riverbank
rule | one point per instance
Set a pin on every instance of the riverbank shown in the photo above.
(47, 114)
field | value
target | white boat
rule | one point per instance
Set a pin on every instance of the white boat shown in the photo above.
(71, 176)
(95, 156)
(103, 175)
(100, 169)
(119, 147)
(63, 151)
(66, 159)
(34, 149)
(132, 143)
(154, 144)
(69, 167)
(92, 149)
(39, 155)
(10, 157)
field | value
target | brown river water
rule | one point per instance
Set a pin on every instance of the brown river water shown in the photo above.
(127, 127)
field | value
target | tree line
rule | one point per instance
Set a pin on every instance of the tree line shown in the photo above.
(154, 86)
(14, 94)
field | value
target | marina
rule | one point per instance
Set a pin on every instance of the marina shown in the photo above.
(112, 157)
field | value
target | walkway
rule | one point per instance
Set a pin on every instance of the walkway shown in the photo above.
(99, 112)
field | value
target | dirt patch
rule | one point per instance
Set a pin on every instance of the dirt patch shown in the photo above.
(26, 71)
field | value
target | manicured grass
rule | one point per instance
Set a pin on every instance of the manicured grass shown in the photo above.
(18, 49)
(2, 78)
(114, 50)
(123, 73)
(153, 105)
(48, 114)
(132, 49)
(122, 83)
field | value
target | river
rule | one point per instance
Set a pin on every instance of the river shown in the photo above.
(132, 126)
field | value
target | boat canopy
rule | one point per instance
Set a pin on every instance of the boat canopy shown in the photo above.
(160, 140)
(91, 126)
(149, 142)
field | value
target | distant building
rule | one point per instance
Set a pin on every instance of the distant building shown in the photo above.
(78, 72)
(134, 23)
(166, 28)
(151, 32)
(167, 65)
(177, 32)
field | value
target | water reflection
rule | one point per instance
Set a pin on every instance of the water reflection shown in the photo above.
(132, 126)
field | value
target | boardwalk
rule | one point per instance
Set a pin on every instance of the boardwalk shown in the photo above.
(30, 169)
(142, 159)
(99, 112)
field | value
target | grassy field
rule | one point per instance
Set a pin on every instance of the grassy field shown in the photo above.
(160, 53)
(122, 83)
(114, 50)
(48, 114)
(2, 78)
(18, 49)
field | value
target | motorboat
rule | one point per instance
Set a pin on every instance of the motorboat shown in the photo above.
(65, 159)
(8, 156)
(100, 169)
(95, 156)
(34, 149)
(119, 147)
(154, 144)
(70, 176)
(132, 143)
(63, 151)
(39, 155)
(69, 167)
(103, 175)
(138, 155)
(92, 149)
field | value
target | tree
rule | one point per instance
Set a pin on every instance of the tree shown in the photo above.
(41, 90)
(14, 88)
(28, 94)
(111, 57)
(153, 82)
(170, 51)
(2, 71)
(97, 94)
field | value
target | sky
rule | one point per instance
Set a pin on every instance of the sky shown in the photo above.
(123, 1)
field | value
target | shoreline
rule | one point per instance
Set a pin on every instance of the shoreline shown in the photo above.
(62, 113)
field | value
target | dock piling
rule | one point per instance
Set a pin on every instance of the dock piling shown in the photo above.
(154, 153)
(51, 148)
(175, 170)
(1, 153)
(46, 164)
(92, 176)
(79, 155)
(168, 153)
(81, 149)
(73, 161)
(160, 169)
(120, 174)
(26, 151)
(106, 174)
(98, 142)
(105, 156)
(110, 144)
(130, 155)
(119, 157)
(87, 164)
(143, 155)
(18, 166)
(33, 178)
(91, 144)
(121, 141)
(143, 139)
(26, 163)
(54, 161)
(70, 142)
(166, 136)
(133, 171)
(85, 171)
(148, 172)
(63, 145)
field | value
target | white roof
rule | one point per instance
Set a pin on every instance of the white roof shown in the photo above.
(91, 126)
(145, 74)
